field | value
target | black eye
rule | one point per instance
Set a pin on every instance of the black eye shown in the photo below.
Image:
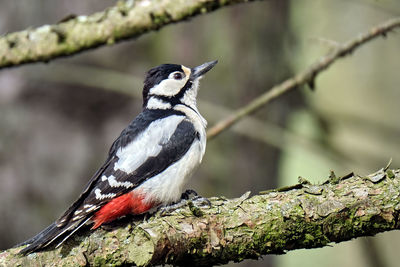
(177, 76)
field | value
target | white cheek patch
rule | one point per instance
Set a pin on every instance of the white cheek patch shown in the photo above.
(168, 87)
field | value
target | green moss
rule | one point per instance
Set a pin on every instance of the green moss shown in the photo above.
(160, 19)
(195, 210)
(99, 261)
(390, 174)
(333, 179)
(308, 239)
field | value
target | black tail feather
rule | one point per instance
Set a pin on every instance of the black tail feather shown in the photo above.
(49, 235)
(40, 240)
(36, 237)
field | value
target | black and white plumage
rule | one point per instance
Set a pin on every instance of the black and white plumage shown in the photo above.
(149, 163)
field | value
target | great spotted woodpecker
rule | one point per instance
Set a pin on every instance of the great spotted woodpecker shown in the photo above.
(149, 163)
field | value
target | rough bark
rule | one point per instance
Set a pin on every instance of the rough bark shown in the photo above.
(127, 19)
(272, 222)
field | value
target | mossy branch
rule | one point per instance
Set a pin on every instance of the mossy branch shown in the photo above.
(273, 222)
(127, 19)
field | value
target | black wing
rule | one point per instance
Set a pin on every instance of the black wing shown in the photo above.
(172, 150)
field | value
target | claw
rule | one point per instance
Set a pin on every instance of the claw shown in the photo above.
(186, 195)
(203, 201)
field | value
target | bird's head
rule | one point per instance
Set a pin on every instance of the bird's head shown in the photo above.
(170, 84)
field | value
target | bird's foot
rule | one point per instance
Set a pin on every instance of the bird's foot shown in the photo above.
(192, 195)
(190, 198)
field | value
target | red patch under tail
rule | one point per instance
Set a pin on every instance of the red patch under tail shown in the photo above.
(130, 203)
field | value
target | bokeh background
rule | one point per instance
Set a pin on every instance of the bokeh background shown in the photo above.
(57, 120)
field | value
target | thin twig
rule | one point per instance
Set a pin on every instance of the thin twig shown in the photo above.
(305, 77)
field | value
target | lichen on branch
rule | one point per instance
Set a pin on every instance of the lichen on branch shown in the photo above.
(127, 19)
(272, 222)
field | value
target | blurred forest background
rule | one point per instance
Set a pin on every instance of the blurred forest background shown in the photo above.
(57, 120)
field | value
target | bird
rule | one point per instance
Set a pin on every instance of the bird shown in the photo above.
(148, 164)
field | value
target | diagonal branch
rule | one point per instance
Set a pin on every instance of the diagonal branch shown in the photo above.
(127, 19)
(273, 222)
(306, 77)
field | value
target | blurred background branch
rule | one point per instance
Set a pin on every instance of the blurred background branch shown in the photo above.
(306, 77)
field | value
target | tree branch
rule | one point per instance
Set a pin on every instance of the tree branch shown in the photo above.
(306, 77)
(273, 222)
(127, 19)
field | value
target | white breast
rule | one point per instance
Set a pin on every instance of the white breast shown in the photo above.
(167, 186)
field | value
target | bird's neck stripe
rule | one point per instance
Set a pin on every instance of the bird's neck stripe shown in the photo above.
(175, 99)
(194, 110)
(163, 104)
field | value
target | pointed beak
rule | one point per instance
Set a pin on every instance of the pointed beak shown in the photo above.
(199, 71)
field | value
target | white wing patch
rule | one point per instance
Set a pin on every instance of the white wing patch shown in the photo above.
(101, 196)
(147, 144)
(114, 183)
